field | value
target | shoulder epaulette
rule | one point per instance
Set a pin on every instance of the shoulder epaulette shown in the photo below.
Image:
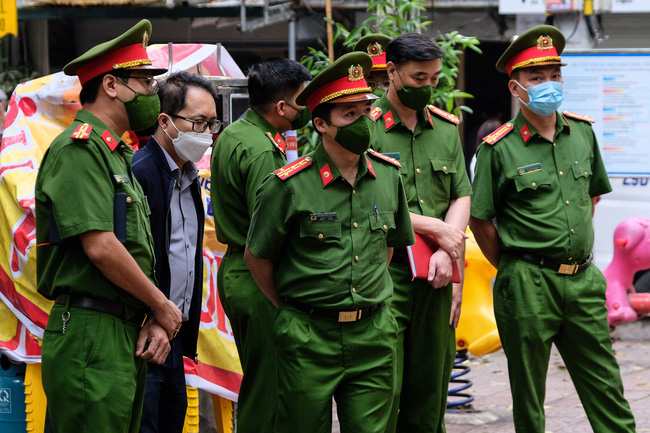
(383, 157)
(295, 167)
(498, 134)
(444, 114)
(579, 116)
(375, 113)
(82, 132)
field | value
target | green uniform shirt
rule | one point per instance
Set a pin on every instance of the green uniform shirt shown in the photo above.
(540, 192)
(245, 153)
(77, 181)
(328, 239)
(433, 164)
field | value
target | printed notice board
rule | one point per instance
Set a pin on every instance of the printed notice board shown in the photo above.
(613, 87)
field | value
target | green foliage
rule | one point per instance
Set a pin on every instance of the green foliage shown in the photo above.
(394, 18)
(10, 78)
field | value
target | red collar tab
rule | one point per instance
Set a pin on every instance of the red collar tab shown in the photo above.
(389, 120)
(122, 58)
(110, 141)
(278, 141)
(371, 169)
(444, 114)
(578, 116)
(429, 118)
(498, 134)
(375, 113)
(326, 174)
(295, 167)
(82, 132)
(525, 133)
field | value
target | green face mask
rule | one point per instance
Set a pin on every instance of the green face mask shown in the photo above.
(354, 137)
(378, 91)
(303, 116)
(142, 110)
(415, 98)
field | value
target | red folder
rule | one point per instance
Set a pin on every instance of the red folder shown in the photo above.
(420, 253)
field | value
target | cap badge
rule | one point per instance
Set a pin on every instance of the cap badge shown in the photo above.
(355, 73)
(145, 39)
(375, 49)
(544, 43)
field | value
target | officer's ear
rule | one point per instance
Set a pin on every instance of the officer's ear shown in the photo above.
(320, 125)
(279, 107)
(109, 85)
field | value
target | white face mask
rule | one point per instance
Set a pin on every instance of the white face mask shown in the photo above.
(190, 146)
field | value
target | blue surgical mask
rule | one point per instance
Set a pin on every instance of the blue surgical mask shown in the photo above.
(544, 98)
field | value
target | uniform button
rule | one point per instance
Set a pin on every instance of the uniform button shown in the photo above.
(417, 170)
(128, 199)
(586, 174)
(570, 258)
(307, 159)
(444, 167)
(354, 290)
(320, 236)
(355, 225)
(534, 184)
(356, 258)
(567, 202)
(421, 201)
(554, 144)
(385, 227)
(354, 191)
(561, 173)
(573, 231)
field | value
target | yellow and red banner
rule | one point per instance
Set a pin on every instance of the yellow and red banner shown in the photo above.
(38, 111)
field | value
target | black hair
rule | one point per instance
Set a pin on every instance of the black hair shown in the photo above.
(514, 75)
(412, 47)
(174, 89)
(90, 88)
(274, 79)
(324, 111)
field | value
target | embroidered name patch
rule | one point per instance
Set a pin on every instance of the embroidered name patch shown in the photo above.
(325, 216)
(532, 168)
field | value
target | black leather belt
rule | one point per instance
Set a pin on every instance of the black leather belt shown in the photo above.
(556, 265)
(234, 249)
(339, 316)
(138, 317)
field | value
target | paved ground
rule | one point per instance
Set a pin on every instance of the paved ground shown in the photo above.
(564, 413)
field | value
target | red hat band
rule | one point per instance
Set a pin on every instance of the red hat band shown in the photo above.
(532, 55)
(335, 89)
(379, 62)
(125, 57)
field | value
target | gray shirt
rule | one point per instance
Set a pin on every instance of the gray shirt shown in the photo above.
(182, 224)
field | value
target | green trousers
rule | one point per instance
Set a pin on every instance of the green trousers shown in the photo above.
(251, 317)
(91, 377)
(319, 359)
(426, 348)
(536, 307)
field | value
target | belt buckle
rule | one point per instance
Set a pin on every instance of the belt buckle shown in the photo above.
(568, 269)
(349, 316)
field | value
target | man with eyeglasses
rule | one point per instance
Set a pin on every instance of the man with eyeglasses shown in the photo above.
(244, 154)
(165, 168)
(95, 256)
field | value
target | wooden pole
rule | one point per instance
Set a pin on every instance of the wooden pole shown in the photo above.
(330, 35)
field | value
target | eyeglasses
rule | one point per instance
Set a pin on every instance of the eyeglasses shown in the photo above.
(201, 125)
(152, 84)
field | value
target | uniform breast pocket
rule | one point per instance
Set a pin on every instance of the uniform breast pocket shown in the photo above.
(323, 241)
(443, 170)
(582, 173)
(534, 189)
(380, 224)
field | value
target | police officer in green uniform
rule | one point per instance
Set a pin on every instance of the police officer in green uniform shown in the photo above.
(375, 46)
(425, 140)
(95, 256)
(247, 151)
(539, 175)
(320, 239)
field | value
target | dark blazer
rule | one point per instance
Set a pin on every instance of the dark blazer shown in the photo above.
(151, 169)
